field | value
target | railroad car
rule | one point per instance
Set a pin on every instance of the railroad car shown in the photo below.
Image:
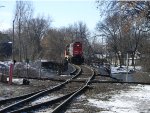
(74, 53)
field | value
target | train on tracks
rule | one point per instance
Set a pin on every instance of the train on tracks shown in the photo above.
(74, 53)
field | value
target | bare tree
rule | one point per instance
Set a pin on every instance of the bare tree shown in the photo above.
(36, 28)
(22, 14)
(29, 31)
(125, 22)
(53, 45)
(110, 29)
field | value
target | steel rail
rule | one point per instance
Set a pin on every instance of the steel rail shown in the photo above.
(18, 97)
(30, 94)
(47, 103)
(74, 70)
(63, 105)
(33, 97)
(110, 77)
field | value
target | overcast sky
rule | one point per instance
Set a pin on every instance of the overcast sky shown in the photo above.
(62, 12)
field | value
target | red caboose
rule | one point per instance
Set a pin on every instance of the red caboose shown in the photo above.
(74, 53)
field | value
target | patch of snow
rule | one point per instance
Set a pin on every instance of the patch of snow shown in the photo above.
(63, 75)
(8, 62)
(138, 68)
(45, 99)
(123, 69)
(135, 100)
(16, 80)
(81, 97)
(75, 111)
(43, 60)
(43, 111)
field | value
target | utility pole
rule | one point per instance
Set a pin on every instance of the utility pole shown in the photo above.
(13, 37)
(13, 41)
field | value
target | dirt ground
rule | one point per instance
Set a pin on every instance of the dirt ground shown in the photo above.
(16, 89)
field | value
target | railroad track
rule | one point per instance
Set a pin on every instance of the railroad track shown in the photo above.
(67, 89)
(60, 95)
